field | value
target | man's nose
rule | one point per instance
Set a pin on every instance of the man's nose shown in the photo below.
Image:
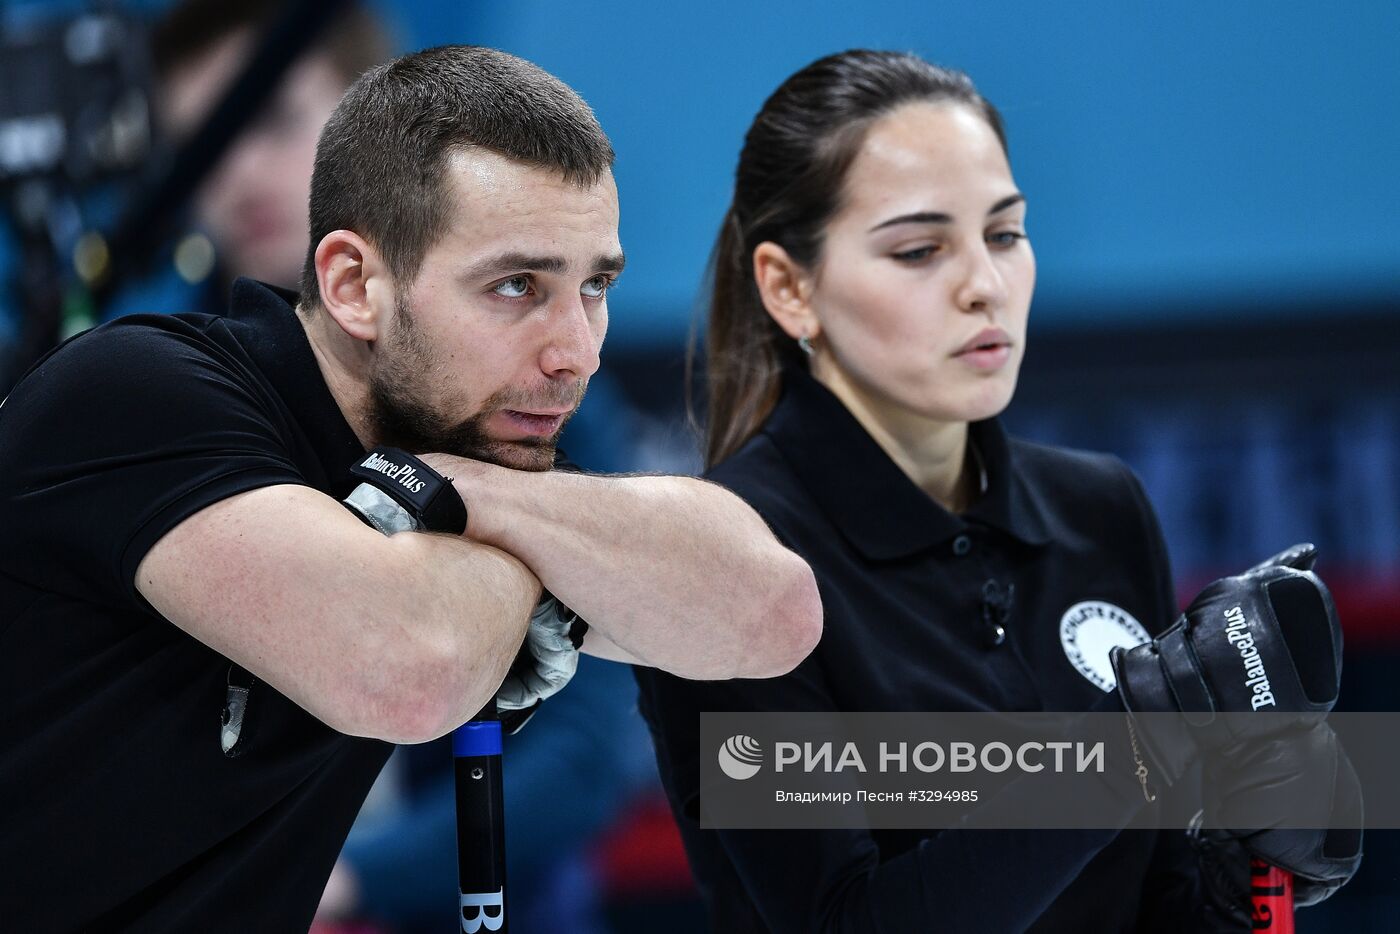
(572, 345)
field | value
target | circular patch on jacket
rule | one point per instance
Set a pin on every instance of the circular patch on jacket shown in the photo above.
(1089, 630)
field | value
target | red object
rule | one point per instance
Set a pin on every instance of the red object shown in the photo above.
(1271, 890)
(345, 927)
(1366, 603)
(642, 854)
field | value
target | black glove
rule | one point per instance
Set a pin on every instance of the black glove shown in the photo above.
(1227, 903)
(1226, 879)
(1305, 775)
(1265, 640)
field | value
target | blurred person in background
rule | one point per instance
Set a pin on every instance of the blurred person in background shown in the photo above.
(252, 205)
(399, 862)
(869, 299)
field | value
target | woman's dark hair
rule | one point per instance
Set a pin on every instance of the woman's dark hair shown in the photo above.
(787, 187)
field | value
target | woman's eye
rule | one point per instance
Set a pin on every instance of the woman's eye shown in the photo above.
(514, 287)
(914, 256)
(1006, 237)
(596, 287)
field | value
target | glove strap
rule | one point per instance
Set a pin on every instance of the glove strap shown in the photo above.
(1183, 672)
(401, 493)
(578, 626)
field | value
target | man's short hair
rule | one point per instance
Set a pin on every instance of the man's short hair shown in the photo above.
(356, 41)
(382, 157)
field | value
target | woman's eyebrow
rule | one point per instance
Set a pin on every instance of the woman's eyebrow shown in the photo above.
(937, 217)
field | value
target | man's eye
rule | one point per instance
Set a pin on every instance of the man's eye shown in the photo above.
(514, 287)
(596, 287)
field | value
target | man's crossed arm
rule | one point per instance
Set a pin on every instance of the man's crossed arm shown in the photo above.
(405, 637)
(670, 572)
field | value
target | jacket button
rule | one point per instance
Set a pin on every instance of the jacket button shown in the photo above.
(962, 545)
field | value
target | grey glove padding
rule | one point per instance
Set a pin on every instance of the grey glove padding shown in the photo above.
(547, 659)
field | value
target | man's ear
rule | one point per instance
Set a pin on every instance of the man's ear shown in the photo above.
(349, 274)
(785, 287)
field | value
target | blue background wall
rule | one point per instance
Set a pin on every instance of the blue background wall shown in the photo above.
(1177, 156)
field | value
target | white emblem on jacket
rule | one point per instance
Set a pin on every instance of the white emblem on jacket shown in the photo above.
(1088, 630)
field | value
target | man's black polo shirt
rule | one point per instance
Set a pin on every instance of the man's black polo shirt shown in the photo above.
(118, 808)
(927, 610)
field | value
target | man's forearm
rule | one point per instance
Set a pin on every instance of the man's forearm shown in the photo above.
(399, 638)
(480, 616)
(678, 572)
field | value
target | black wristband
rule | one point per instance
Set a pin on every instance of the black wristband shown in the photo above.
(428, 497)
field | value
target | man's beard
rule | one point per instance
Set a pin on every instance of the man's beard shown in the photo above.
(401, 418)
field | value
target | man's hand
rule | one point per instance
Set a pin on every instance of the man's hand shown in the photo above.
(547, 659)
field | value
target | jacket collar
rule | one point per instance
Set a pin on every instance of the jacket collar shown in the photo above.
(277, 341)
(870, 500)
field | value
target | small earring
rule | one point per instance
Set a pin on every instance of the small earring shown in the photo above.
(805, 344)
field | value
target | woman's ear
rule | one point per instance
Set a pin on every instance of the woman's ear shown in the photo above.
(785, 287)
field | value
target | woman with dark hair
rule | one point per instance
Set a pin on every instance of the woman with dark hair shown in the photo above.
(871, 286)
